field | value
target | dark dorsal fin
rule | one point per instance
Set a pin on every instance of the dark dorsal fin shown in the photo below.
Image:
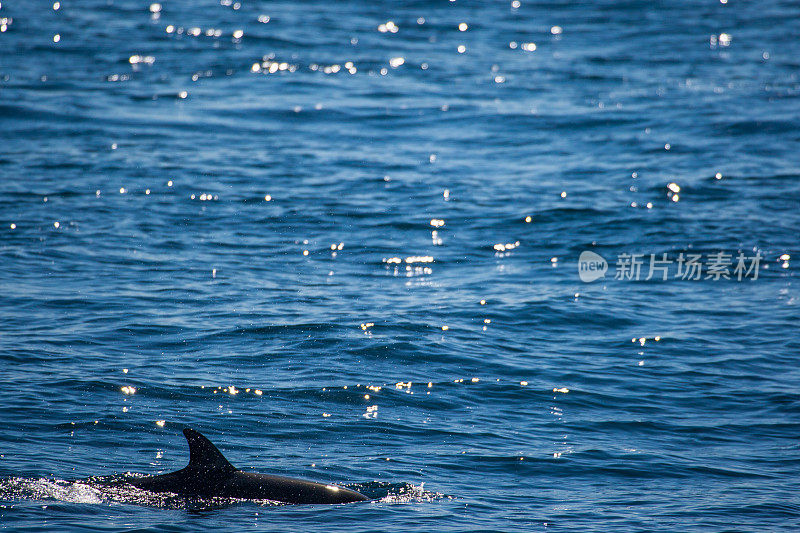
(204, 456)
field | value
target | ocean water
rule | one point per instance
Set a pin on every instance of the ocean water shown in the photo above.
(342, 240)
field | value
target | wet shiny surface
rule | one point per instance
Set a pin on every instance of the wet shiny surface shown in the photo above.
(342, 238)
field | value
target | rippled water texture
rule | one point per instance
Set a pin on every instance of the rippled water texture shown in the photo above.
(341, 239)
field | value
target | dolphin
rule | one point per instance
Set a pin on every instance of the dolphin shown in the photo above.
(209, 474)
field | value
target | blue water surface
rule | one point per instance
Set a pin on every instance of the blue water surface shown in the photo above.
(341, 239)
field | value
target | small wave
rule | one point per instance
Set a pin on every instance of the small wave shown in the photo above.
(107, 490)
(400, 492)
(45, 489)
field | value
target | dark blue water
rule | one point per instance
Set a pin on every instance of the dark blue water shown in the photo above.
(347, 250)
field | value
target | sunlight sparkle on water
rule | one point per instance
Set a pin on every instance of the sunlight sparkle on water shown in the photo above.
(389, 27)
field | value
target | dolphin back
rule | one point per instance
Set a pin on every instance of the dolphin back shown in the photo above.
(210, 474)
(288, 490)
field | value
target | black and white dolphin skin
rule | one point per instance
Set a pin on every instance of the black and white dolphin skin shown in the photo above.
(209, 474)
